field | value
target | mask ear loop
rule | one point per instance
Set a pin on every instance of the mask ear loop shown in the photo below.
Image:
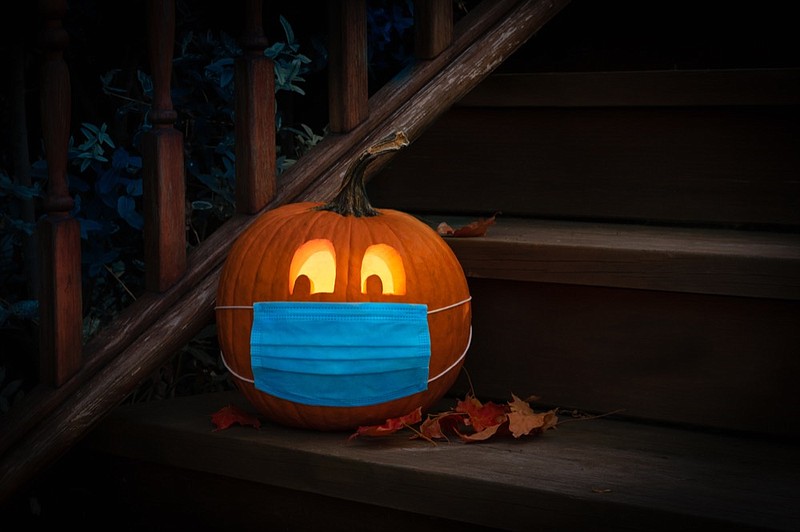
(454, 364)
(440, 375)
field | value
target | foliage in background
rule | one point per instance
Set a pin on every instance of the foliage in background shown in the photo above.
(105, 179)
(390, 43)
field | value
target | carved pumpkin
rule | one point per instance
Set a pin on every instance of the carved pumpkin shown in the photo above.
(344, 251)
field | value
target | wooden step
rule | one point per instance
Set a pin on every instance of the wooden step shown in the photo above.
(693, 148)
(680, 325)
(675, 259)
(600, 474)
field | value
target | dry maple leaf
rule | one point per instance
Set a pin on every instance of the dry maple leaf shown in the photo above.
(436, 427)
(470, 421)
(522, 420)
(475, 228)
(481, 416)
(390, 426)
(231, 414)
(480, 435)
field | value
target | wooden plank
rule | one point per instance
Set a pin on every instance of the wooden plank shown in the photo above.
(778, 86)
(177, 498)
(256, 155)
(61, 312)
(163, 170)
(433, 27)
(732, 166)
(715, 361)
(348, 83)
(587, 475)
(677, 259)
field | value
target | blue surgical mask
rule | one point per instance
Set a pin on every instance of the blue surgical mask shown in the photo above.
(341, 354)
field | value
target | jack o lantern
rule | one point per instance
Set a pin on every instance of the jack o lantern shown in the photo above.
(336, 315)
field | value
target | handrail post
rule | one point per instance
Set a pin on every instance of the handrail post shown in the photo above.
(61, 312)
(254, 80)
(162, 150)
(348, 84)
(433, 25)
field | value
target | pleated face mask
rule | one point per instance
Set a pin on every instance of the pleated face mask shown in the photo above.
(340, 354)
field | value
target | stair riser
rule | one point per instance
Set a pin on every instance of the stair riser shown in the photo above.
(716, 361)
(731, 166)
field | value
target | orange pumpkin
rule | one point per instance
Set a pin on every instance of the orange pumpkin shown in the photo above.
(343, 251)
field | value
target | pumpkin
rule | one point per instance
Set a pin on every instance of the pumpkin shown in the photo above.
(343, 251)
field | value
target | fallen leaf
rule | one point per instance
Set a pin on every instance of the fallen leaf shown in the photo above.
(481, 416)
(390, 426)
(444, 229)
(472, 229)
(522, 420)
(480, 435)
(437, 427)
(231, 414)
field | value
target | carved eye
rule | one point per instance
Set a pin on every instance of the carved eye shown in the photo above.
(384, 262)
(316, 259)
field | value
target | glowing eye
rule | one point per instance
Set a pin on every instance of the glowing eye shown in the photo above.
(316, 259)
(384, 262)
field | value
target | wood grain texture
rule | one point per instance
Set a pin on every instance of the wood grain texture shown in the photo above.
(348, 84)
(61, 310)
(713, 361)
(778, 86)
(433, 27)
(676, 259)
(164, 200)
(731, 166)
(588, 475)
(256, 180)
(164, 193)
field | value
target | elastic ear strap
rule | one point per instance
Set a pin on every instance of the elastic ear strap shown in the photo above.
(448, 307)
(454, 364)
(225, 363)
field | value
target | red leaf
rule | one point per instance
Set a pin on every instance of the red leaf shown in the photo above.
(228, 415)
(481, 416)
(480, 435)
(437, 427)
(390, 426)
(475, 228)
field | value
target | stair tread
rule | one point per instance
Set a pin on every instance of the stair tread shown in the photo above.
(598, 473)
(682, 259)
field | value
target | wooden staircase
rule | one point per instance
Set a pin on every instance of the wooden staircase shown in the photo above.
(645, 262)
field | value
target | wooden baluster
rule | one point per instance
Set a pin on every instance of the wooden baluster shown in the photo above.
(255, 117)
(61, 305)
(348, 84)
(433, 24)
(162, 150)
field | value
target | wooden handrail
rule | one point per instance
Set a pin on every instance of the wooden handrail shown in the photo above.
(149, 331)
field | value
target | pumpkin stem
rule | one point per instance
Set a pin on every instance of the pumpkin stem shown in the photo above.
(351, 200)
